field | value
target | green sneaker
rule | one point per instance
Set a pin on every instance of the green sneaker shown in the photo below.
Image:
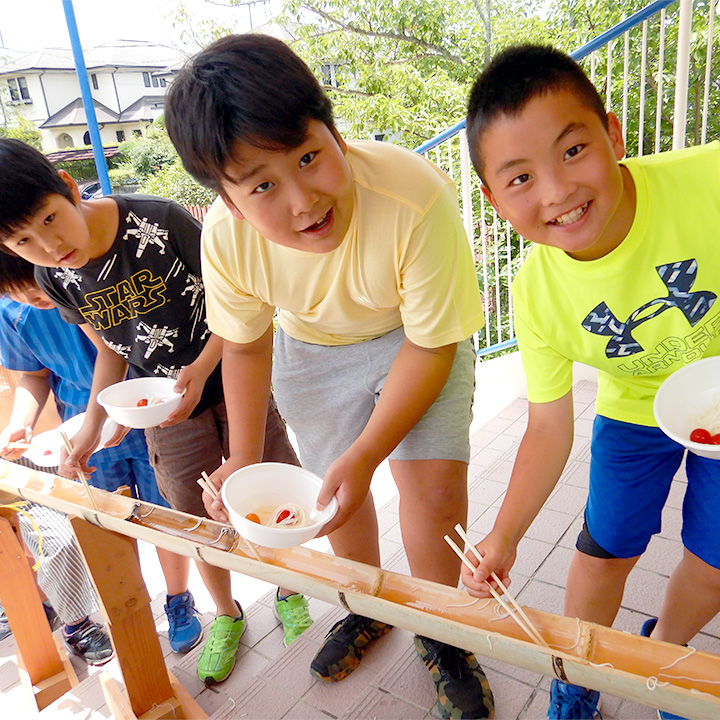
(217, 658)
(294, 615)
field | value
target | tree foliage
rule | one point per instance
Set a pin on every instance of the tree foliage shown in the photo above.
(22, 129)
(402, 68)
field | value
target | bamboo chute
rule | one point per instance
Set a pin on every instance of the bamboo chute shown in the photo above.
(662, 675)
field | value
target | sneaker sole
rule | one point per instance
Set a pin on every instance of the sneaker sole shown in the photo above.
(195, 644)
(214, 681)
(94, 663)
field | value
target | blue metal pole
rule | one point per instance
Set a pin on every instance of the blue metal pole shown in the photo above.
(81, 70)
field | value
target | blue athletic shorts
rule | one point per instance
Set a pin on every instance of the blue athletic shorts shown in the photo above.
(631, 469)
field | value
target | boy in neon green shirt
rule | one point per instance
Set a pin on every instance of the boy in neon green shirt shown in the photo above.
(624, 276)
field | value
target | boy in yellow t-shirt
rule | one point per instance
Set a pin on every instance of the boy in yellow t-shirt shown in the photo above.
(624, 276)
(360, 248)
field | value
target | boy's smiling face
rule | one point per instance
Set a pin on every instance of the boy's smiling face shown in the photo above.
(552, 171)
(300, 197)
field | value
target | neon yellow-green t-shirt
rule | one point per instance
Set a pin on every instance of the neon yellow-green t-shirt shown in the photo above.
(405, 260)
(644, 310)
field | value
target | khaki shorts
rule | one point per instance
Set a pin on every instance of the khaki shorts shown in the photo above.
(180, 453)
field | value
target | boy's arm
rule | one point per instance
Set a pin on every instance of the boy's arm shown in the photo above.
(109, 369)
(30, 397)
(542, 455)
(416, 378)
(192, 379)
(246, 383)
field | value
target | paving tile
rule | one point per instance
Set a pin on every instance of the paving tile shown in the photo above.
(405, 675)
(530, 555)
(484, 456)
(644, 591)
(383, 706)
(516, 410)
(488, 491)
(303, 711)
(511, 697)
(576, 472)
(291, 671)
(661, 556)
(537, 708)
(567, 498)
(555, 568)
(542, 596)
(549, 525)
(258, 700)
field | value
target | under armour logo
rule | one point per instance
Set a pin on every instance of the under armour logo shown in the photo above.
(679, 278)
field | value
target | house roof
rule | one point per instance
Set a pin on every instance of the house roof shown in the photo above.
(144, 108)
(82, 154)
(74, 114)
(117, 53)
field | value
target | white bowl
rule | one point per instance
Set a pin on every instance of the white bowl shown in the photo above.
(683, 398)
(46, 447)
(274, 484)
(121, 401)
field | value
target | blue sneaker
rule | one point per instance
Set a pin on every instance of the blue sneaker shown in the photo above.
(572, 702)
(646, 631)
(185, 630)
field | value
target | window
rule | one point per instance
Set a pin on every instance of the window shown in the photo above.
(137, 133)
(146, 79)
(93, 78)
(120, 135)
(18, 89)
(155, 82)
(163, 82)
(86, 138)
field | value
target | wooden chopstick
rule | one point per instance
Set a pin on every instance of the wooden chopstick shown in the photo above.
(508, 609)
(461, 532)
(206, 484)
(80, 473)
(19, 445)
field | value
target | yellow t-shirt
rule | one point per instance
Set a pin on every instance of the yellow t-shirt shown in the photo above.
(405, 260)
(644, 310)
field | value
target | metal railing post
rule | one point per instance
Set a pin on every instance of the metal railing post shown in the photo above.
(682, 74)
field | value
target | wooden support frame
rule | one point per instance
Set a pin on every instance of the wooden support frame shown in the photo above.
(45, 671)
(151, 692)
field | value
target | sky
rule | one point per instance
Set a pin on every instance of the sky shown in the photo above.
(33, 24)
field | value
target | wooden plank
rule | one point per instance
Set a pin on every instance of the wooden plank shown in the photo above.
(114, 567)
(19, 595)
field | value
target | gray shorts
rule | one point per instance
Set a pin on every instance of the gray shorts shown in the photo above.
(326, 395)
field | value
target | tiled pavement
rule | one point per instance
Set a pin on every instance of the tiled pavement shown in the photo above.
(271, 682)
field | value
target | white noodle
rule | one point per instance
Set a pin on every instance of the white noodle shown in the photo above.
(680, 659)
(710, 418)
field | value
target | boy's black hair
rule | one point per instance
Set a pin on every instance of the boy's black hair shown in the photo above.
(243, 88)
(514, 77)
(16, 274)
(27, 177)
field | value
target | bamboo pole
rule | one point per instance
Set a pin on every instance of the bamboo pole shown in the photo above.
(650, 672)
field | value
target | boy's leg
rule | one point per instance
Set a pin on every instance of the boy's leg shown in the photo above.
(631, 470)
(692, 599)
(433, 499)
(64, 580)
(595, 587)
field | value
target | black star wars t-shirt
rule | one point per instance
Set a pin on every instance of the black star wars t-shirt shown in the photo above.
(145, 296)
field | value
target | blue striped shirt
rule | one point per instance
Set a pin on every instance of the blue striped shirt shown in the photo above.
(32, 339)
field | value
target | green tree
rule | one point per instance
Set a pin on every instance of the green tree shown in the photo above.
(22, 129)
(402, 67)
